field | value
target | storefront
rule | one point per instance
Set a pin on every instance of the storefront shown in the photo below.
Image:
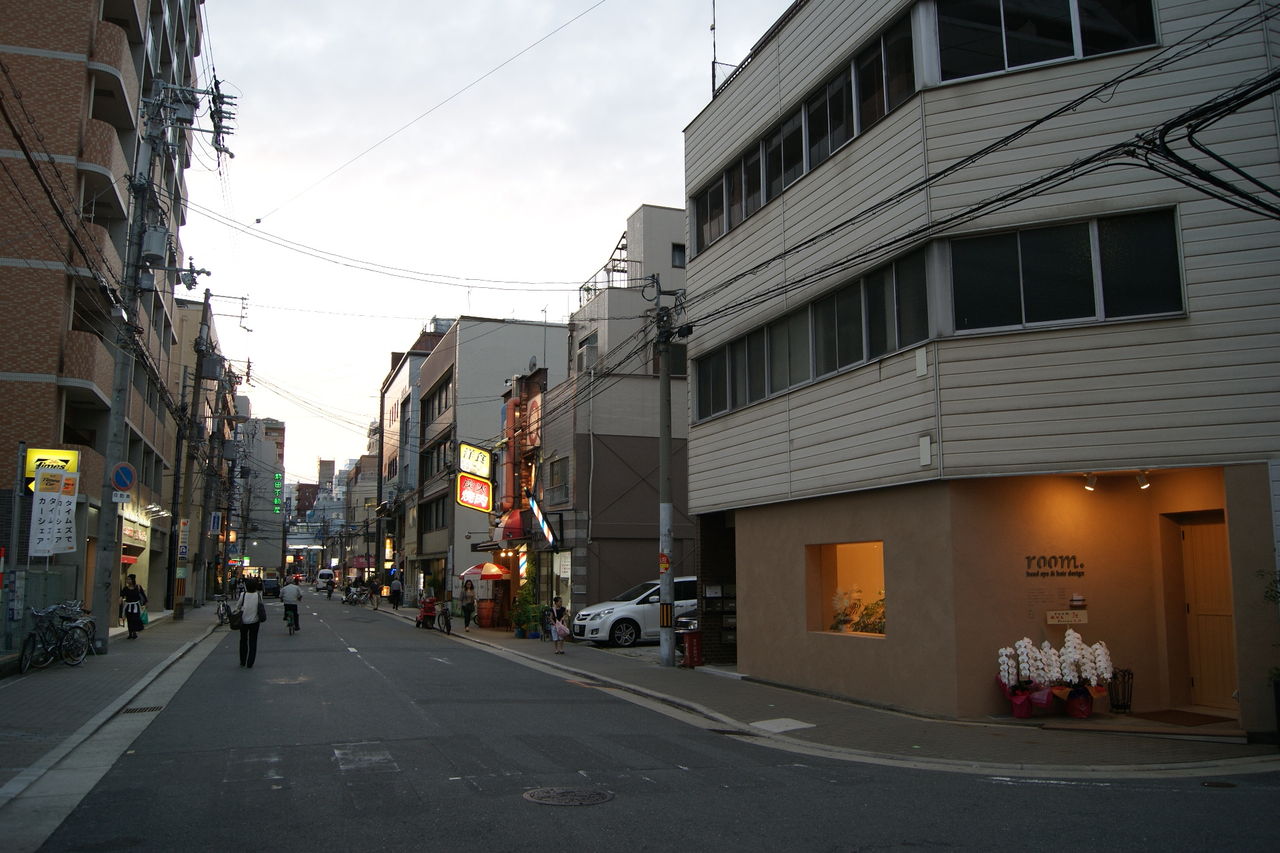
(904, 595)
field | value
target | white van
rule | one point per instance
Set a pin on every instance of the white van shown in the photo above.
(632, 616)
(322, 579)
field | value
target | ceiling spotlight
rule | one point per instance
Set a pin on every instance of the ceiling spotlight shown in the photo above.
(1090, 482)
(1143, 482)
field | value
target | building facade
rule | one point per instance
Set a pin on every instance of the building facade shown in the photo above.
(979, 329)
(395, 439)
(599, 453)
(461, 383)
(92, 259)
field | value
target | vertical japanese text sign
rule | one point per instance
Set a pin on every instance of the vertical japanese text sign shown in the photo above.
(53, 512)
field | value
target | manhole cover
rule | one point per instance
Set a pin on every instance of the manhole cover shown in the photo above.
(567, 796)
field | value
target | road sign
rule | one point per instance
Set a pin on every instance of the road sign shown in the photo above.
(123, 476)
(120, 497)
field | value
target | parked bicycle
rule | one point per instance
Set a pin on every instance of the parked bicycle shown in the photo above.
(59, 632)
(444, 621)
(222, 610)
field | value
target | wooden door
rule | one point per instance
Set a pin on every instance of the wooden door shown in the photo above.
(1210, 620)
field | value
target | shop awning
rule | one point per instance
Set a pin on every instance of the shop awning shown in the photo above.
(486, 572)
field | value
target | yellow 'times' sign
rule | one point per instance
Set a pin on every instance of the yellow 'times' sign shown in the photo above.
(66, 460)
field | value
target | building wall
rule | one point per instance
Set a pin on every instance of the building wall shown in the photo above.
(959, 585)
(1197, 388)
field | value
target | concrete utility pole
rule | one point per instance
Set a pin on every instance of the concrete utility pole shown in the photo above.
(107, 562)
(666, 580)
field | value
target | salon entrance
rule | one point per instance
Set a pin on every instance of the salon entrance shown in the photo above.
(1210, 623)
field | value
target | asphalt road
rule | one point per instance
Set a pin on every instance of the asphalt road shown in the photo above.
(362, 733)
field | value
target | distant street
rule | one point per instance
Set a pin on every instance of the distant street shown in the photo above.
(363, 733)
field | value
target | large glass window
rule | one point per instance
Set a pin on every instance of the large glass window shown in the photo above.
(850, 581)
(985, 36)
(1139, 259)
(1048, 274)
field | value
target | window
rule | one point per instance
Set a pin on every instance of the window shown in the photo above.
(712, 390)
(886, 310)
(883, 73)
(435, 514)
(850, 580)
(789, 351)
(1048, 274)
(752, 196)
(677, 255)
(792, 148)
(748, 367)
(986, 36)
(829, 113)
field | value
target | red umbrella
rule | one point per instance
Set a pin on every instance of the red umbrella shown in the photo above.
(486, 572)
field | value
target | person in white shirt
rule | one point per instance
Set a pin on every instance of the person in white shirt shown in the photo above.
(251, 609)
(291, 595)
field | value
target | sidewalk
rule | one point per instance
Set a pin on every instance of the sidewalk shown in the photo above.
(45, 714)
(1052, 746)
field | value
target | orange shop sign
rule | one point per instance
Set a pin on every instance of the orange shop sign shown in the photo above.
(475, 492)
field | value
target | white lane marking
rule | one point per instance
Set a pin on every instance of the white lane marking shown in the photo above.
(352, 650)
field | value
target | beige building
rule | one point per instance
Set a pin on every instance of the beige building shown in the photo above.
(957, 359)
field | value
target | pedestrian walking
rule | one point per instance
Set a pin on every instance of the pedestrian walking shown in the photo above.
(559, 624)
(468, 601)
(252, 610)
(133, 598)
(397, 592)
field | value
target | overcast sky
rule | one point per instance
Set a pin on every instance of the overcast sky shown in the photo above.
(507, 193)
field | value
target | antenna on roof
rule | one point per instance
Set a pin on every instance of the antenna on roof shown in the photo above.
(713, 48)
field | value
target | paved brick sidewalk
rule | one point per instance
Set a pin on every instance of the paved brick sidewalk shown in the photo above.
(40, 710)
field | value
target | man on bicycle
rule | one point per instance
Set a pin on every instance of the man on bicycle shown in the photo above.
(291, 595)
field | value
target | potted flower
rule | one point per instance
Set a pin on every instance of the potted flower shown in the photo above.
(1083, 674)
(851, 615)
(1023, 677)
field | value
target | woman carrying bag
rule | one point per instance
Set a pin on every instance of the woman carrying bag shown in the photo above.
(252, 612)
(133, 598)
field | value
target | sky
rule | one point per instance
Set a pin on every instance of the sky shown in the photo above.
(485, 155)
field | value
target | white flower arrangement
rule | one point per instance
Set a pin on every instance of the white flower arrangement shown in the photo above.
(1024, 667)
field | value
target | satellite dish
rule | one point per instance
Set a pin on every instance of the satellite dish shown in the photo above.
(533, 363)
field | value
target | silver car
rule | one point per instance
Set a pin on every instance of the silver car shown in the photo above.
(631, 617)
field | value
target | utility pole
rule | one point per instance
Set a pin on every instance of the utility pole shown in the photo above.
(666, 580)
(173, 584)
(107, 562)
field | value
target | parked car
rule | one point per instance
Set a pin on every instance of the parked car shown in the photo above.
(271, 587)
(632, 616)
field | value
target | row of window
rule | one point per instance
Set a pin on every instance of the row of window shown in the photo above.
(877, 79)
(974, 37)
(438, 401)
(1115, 267)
